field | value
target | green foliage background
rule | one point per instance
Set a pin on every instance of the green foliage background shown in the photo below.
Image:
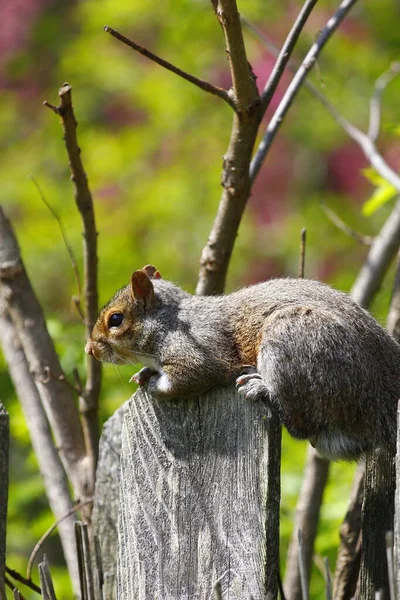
(152, 146)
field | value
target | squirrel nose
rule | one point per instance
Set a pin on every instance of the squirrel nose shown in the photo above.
(89, 348)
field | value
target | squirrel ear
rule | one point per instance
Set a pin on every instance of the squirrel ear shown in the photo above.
(151, 272)
(142, 288)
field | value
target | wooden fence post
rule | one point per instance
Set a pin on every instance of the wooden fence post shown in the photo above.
(199, 499)
(106, 503)
(377, 519)
(4, 442)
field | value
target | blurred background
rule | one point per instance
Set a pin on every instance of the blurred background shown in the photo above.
(152, 146)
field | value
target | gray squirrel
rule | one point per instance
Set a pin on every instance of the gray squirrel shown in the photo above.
(323, 363)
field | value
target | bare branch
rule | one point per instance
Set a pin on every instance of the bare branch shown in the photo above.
(393, 319)
(285, 53)
(295, 86)
(376, 101)
(50, 465)
(302, 567)
(382, 252)
(26, 581)
(28, 319)
(307, 517)
(235, 176)
(68, 246)
(340, 224)
(244, 89)
(203, 85)
(302, 257)
(49, 531)
(365, 142)
(83, 198)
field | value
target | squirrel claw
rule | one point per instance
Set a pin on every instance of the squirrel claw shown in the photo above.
(252, 387)
(142, 377)
(245, 377)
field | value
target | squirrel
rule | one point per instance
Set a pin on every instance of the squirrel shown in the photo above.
(321, 362)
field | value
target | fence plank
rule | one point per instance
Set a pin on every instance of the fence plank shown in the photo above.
(106, 501)
(4, 442)
(199, 499)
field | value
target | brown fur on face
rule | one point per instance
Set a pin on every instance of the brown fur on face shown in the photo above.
(116, 344)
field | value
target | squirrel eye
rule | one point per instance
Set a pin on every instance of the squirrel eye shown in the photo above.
(115, 320)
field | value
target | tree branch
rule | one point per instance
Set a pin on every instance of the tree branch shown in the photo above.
(235, 176)
(285, 53)
(307, 516)
(365, 141)
(50, 465)
(340, 224)
(295, 85)
(376, 100)
(89, 399)
(203, 85)
(68, 246)
(28, 320)
(72, 511)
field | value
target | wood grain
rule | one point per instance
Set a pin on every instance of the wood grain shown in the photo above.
(106, 500)
(198, 504)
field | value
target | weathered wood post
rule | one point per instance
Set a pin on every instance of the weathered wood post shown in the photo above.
(199, 499)
(4, 442)
(106, 504)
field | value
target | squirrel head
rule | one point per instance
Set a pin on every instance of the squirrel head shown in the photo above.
(119, 327)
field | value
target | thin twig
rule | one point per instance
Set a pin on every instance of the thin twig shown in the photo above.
(295, 86)
(389, 539)
(203, 85)
(302, 257)
(83, 197)
(340, 224)
(328, 579)
(49, 531)
(375, 107)
(365, 142)
(285, 53)
(26, 581)
(68, 246)
(302, 567)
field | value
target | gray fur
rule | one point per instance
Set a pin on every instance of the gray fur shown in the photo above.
(328, 368)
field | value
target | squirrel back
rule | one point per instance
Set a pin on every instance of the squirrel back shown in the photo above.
(323, 363)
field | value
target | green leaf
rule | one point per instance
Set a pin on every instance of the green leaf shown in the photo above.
(381, 195)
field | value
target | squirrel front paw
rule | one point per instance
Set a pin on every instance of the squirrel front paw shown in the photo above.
(143, 376)
(252, 387)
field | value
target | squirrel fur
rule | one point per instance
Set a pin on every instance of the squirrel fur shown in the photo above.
(322, 362)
